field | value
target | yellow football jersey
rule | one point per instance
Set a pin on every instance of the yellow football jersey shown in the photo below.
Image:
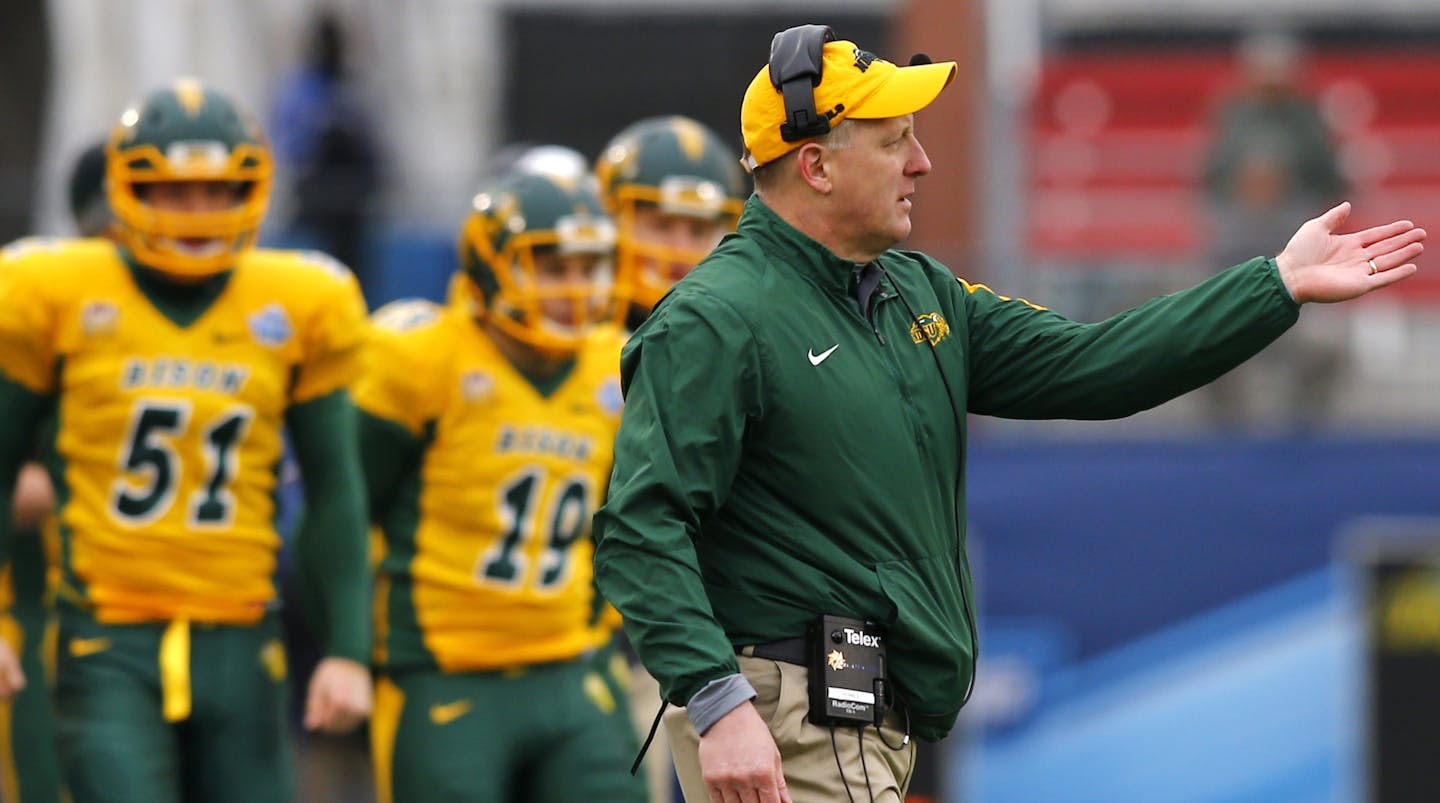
(169, 436)
(489, 560)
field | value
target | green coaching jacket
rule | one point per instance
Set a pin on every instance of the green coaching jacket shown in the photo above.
(780, 457)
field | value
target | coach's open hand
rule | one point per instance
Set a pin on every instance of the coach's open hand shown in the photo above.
(1320, 265)
(339, 697)
(739, 760)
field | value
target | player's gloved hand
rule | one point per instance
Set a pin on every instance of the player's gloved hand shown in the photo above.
(12, 679)
(339, 697)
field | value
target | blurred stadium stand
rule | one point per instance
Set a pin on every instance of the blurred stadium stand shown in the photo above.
(1116, 144)
(1108, 138)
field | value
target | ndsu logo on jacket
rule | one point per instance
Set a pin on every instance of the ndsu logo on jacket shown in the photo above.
(930, 327)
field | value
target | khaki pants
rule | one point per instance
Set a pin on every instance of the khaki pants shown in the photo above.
(807, 753)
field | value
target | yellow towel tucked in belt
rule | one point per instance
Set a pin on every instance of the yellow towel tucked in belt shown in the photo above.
(175, 670)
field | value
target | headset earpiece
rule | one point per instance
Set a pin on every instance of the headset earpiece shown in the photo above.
(797, 57)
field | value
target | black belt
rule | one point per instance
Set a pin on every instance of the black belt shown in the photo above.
(790, 650)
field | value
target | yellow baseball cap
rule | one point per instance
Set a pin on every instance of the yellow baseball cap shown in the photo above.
(853, 83)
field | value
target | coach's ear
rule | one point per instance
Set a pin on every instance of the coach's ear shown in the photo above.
(812, 158)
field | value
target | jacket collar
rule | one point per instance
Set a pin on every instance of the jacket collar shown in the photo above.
(797, 250)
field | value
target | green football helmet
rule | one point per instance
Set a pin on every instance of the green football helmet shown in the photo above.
(518, 225)
(551, 160)
(187, 132)
(89, 210)
(676, 170)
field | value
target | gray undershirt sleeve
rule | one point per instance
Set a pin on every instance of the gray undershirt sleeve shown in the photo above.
(718, 698)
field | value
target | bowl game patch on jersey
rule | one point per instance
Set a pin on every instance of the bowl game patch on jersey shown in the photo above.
(476, 386)
(609, 397)
(99, 319)
(271, 326)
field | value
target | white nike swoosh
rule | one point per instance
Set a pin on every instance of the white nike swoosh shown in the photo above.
(816, 359)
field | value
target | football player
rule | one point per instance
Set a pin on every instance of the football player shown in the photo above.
(29, 764)
(486, 426)
(171, 362)
(674, 190)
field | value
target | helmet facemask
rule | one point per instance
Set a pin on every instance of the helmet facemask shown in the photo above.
(664, 232)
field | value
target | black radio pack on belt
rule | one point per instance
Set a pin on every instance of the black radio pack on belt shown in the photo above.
(847, 672)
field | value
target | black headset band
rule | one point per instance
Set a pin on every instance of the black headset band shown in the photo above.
(797, 60)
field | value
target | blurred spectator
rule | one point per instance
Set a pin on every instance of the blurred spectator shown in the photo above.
(325, 137)
(1271, 166)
